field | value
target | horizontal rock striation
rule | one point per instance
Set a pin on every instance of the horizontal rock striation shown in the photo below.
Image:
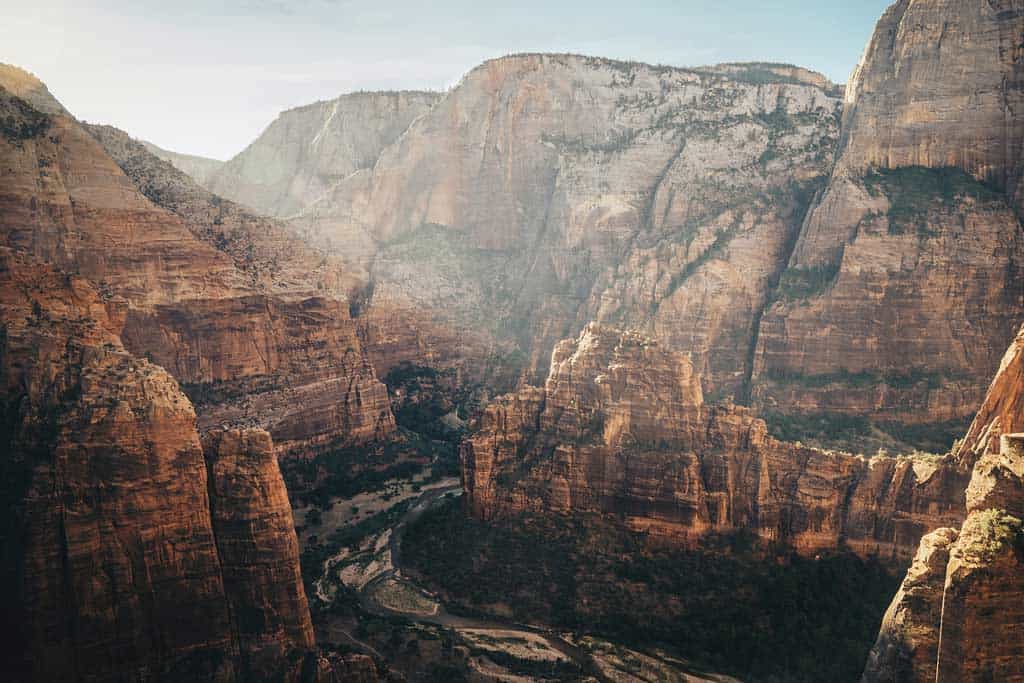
(957, 615)
(545, 191)
(258, 551)
(905, 284)
(254, 324)
(621, 428)
(121, 556)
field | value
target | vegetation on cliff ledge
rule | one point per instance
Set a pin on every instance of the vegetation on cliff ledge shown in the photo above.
(915, 191)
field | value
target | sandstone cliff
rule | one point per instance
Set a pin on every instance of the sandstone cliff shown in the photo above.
(545, 191)
(307, 150)
(941, 84)
(258, 551)
(1002, 412)
(118, 560)
(906, 282)
(621, 428)
(252, 322)
(958, 614)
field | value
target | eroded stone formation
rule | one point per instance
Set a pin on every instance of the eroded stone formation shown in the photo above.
(621, 428)
(957, 613)
(817, 253)
(253, 323)
(131, 547)
(122, 556)
(908, 267)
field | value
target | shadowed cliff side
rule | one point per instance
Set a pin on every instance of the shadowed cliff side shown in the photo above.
(121, 555)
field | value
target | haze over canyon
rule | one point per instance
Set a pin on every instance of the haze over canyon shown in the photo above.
(580, 370)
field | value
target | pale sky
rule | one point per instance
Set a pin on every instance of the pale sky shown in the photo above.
(207, 77)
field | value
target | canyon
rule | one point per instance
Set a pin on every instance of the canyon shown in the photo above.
(680, 305)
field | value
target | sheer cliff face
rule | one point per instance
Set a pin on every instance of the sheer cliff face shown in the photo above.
(956, 615)
(546, 191)
(307, 150)
(941, 83)
(254, 323)
(908, 271)
(621, 427)
(113, 565)
(1002, 412)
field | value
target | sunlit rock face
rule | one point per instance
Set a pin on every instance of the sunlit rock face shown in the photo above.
(1002, 412)
(307, 150)
(708, 208)
(252, 322)
(956, 616)
(545, 191)
(621, 428)
(941, 84)
(905, 284)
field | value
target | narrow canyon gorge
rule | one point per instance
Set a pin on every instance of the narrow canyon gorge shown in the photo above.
(582, 370)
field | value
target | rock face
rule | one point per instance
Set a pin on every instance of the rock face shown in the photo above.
(958, 613)
(1003, 409)
(307, 150)
(905, 284)
(118, 560)
(941, 84)
(546, 191)
(621, 427)
(258, 550)
(255, 325)
(196, 167)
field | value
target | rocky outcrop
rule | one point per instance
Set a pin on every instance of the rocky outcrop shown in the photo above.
(957, 615)
(254, 324)
(546, 191)
(307, 150)
(904, 286)
(1002, 412)
(121, 556)
(196, 167)
(907, 647)
(258, 551)
(621, 428)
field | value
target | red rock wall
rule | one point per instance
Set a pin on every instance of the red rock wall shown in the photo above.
(621, 428)
(124, 553)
